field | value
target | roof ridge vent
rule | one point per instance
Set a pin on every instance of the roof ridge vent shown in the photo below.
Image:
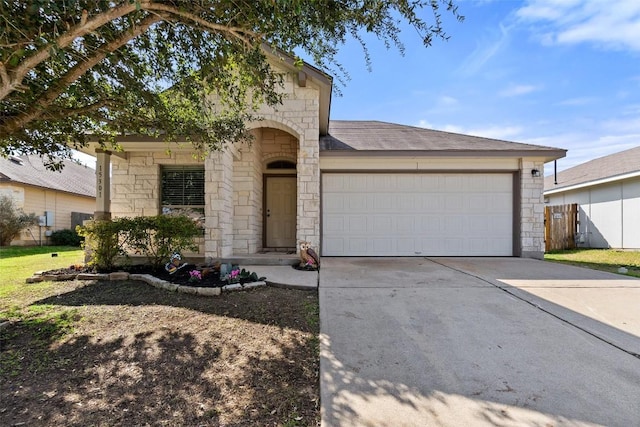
(15, 159)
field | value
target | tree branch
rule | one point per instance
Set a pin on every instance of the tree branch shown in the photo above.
(67, 112)
(238, 32)
(46, 99)
(84, 27)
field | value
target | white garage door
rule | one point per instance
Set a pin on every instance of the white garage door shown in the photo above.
(393, 214)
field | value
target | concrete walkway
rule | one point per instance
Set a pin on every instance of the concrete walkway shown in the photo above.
(451, 342)
(286, 276)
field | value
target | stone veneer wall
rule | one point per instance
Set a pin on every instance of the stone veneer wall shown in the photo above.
(247, 197)
(135, 183)
(531, 210)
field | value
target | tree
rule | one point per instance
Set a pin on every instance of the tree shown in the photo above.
(74, 69)
(13, 220)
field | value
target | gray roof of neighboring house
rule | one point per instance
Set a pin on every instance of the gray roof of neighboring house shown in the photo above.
(74, 178)
(610, 166)
(347, 136)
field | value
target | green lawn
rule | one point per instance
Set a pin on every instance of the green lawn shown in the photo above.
(599, 259)
(18, 263)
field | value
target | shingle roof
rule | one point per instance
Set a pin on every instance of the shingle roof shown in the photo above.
(371, 136)
(74, 178)
(613, 165)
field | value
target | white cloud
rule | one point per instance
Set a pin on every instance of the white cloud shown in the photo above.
(447, 100)
(610, 24)
(425, 124)
(517, 90)
(496, 132)
(486, 49)
(584, 100)
(584, 146)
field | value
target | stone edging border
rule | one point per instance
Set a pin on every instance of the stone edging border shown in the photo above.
(148, 279)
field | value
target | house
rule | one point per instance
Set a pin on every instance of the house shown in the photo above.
(607, 191)
(62, 200)
(350, 188)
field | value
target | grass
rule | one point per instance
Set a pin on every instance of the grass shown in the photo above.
(18, 263)
(40, 324)
(599, 259)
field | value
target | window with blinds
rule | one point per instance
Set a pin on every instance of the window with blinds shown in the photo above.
(182, 188)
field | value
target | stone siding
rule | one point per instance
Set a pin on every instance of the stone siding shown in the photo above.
(135, 183)
(531, 210)
(247, 197)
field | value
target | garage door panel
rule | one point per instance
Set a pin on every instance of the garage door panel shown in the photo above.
(406, 225)
(356, 225)
(334, 224)
(417, 214)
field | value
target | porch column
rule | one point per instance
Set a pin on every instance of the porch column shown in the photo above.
(218, 189)
(531, 209)
(308, 221)
(103, 185)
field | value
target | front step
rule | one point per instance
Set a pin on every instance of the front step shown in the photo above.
(271, 258)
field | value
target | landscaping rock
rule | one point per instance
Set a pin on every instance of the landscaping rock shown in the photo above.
(232, 287)
(188, 290)
(209, 292)
(35, 279)
(119, 275)
(92, 276)
(254, 284)
(169, 286)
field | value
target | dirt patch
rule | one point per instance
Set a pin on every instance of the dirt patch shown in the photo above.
(124, 353)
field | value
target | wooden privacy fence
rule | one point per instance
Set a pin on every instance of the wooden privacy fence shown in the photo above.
(560, 226)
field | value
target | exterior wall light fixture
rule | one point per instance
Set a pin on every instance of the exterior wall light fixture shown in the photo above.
(535, 173)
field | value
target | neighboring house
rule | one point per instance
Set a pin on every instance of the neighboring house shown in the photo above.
(62, 199)
(607, 191)
(350, 188)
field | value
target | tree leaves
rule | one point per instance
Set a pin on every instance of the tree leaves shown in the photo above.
(74, 68)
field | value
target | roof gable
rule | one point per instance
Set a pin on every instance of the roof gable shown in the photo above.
(607, 167)
(30, 170)
(359, 137)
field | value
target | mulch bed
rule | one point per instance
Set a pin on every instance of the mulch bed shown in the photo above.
(210, 275)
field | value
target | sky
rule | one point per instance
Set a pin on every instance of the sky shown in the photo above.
(558, 73)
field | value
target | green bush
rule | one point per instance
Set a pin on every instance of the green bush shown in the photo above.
(66, 238)
(156, 237)
(102, 243)
(13, 220)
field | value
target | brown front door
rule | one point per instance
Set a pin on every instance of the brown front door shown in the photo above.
(280, 211)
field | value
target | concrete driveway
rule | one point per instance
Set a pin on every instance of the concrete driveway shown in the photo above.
(472, 342)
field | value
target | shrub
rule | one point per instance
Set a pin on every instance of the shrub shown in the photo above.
(66, 238)
(13, 220)
(102, 243)
(156, 237)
